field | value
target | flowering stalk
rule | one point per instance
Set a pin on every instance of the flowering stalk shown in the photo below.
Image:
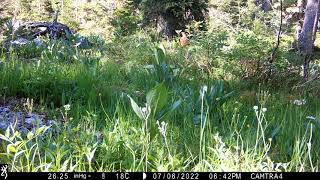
(260, 116)
(163, 131)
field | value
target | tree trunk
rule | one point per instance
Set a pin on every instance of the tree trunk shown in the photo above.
(165, 26)
(275, 49)
(308, 33)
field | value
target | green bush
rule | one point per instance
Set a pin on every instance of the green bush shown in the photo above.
(125, 21)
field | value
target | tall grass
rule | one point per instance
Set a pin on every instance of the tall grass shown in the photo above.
(102, 131)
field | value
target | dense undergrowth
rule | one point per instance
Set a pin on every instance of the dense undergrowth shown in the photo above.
(135, 104)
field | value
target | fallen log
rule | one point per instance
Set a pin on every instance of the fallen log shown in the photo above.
(30, 32)
(55, 30)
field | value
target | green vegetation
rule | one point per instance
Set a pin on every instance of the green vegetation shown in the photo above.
(136, 102)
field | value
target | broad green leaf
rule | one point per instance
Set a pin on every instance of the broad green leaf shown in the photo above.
(42, 130)
(136, 108)
(163, 49)
(5, 138)
(175, 105)
(227, 95)
(157, 98)
(151, 95)
(159, 53)
(166, 112)
(152, 128)
(162, 98)
(220, 86)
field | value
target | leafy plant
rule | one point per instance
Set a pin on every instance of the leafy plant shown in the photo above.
(165, 71)
(125, 21)
(214, 99)
(156, 108)
(251, 51)
(211, 44)
(22, 148)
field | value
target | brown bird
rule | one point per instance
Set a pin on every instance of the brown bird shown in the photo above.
(184, 41)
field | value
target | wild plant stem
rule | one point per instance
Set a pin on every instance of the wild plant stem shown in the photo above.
(261, 117)
(309, 148)
(257, 135)
(201, 129)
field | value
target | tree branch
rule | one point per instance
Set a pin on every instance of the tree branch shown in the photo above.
(272, 58)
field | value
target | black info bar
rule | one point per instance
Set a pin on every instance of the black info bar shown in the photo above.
(6, 174)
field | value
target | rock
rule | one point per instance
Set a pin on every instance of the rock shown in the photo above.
(3, 125)
(23, 130)
(38, 42)
(19, 42)
(22, 123)
(5, 109)
(30, 120)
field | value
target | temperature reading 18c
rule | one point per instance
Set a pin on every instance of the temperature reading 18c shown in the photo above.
(122, 175)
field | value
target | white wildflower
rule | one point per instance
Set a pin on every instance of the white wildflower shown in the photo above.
(311, 117)
(264, 109)
(67, 107)
(255, 107)
(203, 90)
(162, 128)
(146, 111)
(299, 102)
